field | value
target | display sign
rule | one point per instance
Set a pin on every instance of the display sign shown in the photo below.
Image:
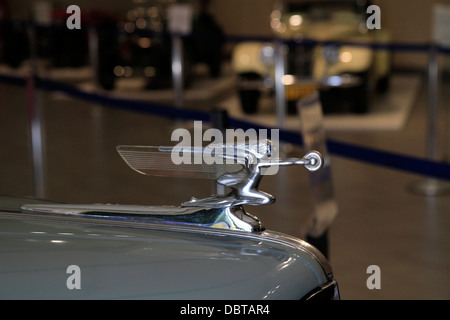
(180, 18)
(42, 13)
(441, 24)
(322, 190)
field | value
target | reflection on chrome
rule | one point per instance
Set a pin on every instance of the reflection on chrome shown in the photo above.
(232, 218)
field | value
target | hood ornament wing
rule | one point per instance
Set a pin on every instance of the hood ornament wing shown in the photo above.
(239, 167)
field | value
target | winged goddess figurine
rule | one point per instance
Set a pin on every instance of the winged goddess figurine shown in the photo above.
(239, 166)
(241, 170)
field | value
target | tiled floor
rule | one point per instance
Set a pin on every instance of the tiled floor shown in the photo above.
(380, 221)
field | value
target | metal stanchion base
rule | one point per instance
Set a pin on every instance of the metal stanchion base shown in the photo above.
(430, 187)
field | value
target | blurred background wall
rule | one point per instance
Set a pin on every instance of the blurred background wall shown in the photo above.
(409, 21)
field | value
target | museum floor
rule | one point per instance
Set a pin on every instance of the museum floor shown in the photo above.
(380, 221)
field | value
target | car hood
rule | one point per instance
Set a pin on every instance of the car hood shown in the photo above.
(134, 260)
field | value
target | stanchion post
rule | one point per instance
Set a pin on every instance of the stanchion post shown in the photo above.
(35, 121)
(177, 69)
(219, 120)
(93, 55)
(441, 33)
(280, 71)
(433, 103)
(180, 23)
(431, 186)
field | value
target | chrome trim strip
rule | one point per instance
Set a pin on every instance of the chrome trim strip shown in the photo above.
(234, 218)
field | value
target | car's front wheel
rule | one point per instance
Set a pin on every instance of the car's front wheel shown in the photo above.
(249, 100)
(347, 99)
(249, 92)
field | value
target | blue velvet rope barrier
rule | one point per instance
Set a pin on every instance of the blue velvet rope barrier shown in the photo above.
(376, 157)
(12, 80)
(364, 154)
(391, 160)
(307, 42)
(160, 109)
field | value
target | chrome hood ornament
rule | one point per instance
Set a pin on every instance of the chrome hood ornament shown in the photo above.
(239, 167)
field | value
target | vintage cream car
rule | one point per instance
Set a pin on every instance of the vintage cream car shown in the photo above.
(329, 47)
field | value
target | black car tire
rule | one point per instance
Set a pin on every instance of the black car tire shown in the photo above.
(383, 84)
(249, 100)
(359, 99)
(346, 100)
(249, 92)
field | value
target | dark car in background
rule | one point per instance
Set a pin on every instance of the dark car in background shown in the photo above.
(135, 47)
